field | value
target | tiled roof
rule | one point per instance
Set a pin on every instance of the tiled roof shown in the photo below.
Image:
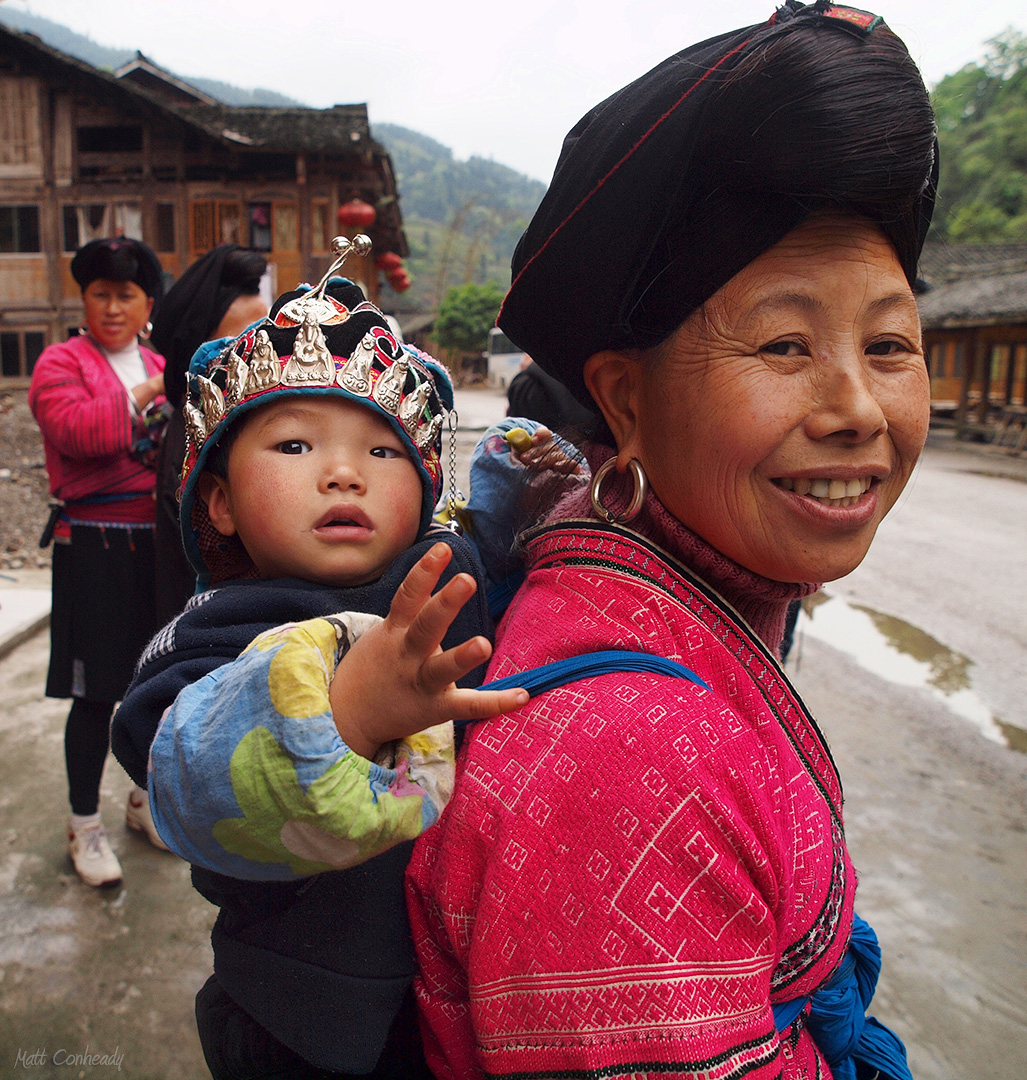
(340, 130)
(973, 285)
(976, 301)
(942, 261)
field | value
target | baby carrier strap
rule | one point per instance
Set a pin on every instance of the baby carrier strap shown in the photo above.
(587, 665)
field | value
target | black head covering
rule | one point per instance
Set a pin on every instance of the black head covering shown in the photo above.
(197, 303)
(118, 259)
(670, 187)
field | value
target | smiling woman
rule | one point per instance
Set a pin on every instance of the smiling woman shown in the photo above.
(639, 876)
(783, 419)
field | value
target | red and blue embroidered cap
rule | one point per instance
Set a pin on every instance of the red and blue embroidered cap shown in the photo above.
(329, 342)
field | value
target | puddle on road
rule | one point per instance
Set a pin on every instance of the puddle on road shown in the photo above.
(904, 654)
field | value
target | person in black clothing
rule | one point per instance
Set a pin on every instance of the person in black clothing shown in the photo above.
(218, 296)
(536, 395)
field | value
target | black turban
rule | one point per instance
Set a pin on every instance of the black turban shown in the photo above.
(118, 259)
(670, 187)
(195, 306)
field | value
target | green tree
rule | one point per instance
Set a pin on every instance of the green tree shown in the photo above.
(466, 315)
(982, 133)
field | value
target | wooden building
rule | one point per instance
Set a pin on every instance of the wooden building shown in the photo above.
(974, 315)
(85, 154)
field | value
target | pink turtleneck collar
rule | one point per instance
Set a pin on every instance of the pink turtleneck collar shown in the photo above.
(762, 602)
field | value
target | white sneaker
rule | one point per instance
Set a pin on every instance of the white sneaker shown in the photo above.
(138, 817)
(95, 862)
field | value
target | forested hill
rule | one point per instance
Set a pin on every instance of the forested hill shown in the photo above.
(434, 182)
(108, 59)
(463, 218)
(982, 132)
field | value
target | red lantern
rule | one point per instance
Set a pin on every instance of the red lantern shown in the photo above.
(356, 214)
(399, 280)
(388, 261)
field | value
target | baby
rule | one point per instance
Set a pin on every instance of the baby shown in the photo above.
(294, 723)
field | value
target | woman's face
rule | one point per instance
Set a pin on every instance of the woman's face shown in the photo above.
(783, 420)
(116, 312)
(242, 311)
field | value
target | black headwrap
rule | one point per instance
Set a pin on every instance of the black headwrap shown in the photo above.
(118, 259)
(670, 187)
(197, 303)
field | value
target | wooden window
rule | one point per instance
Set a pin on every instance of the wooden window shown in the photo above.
(320, 237)
(110, 139)
(20, 143)
(999, 365)
(213, 222)
(260, 226)
(19, 351)
(19, 229)
(229, 222)
(201, 227)
(165, 226)
(274, 226)
(128, 220)
(83, 222)
(286, 234)
(959, 360)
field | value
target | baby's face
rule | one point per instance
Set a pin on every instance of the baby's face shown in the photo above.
(319, 488)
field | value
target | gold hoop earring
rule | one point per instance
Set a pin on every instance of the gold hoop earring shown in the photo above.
(641, 483)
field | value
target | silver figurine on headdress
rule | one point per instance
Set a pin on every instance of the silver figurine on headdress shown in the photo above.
(388, 389)
(311, 362)
(355, 375)
(236, 375)
(265, 367)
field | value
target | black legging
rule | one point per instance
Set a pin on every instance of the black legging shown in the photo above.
(87, 739)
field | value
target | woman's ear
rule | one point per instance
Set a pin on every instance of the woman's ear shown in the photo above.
(613, 379)
(214, 492)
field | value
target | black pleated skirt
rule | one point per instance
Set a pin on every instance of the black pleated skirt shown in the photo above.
(103, 612)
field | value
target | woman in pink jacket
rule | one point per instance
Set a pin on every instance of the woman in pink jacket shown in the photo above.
(97, 398)
(642, 875)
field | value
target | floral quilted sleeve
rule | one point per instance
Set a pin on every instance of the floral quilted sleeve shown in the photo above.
(249, 777)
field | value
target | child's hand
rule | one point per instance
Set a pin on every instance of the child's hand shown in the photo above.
(545, 453)
(396, 680)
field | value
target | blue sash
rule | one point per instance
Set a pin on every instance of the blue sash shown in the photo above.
(838, 1022)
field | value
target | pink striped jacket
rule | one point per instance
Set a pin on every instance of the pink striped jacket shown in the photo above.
(88, 427)
(632, 869)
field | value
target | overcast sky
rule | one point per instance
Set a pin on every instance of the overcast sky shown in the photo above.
(500, 80)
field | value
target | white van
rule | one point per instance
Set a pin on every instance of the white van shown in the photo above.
(504, 359)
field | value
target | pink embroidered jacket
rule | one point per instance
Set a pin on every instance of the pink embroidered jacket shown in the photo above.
(88, 428)
(632, 869)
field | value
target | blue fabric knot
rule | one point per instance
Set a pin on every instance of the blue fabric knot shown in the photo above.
(854, 1044)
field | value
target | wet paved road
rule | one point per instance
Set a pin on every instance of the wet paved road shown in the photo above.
(951, 560)
(936, 814)
(936, 817)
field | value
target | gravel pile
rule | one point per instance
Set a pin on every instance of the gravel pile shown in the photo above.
(23, 485)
